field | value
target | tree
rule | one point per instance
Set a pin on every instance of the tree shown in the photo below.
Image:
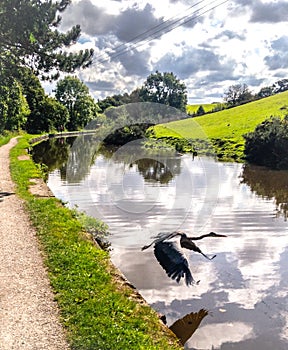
(74, 95)
(109, 101)
(237, 94)
(265, 92)
(14, 108)
(200, 110)
(119, 100)
(268, 144)
(35, 96)
(280, 86)
(29, 38)
(46, 113)
(165, 88)
(56, 115)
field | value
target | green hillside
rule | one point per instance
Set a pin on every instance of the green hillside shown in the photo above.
(225, 129)
(208, 107)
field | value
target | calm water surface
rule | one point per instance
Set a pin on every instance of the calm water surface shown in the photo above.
(244, 288)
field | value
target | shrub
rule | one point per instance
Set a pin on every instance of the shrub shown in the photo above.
(267, 145)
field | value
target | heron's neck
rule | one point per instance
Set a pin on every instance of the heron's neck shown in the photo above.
(200, 237)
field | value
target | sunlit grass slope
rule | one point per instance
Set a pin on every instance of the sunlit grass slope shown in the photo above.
(225, 129)
(208, 107)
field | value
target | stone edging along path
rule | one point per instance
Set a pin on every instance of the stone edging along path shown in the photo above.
(28, 312)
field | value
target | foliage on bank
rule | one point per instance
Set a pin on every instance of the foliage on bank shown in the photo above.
(97, 312)
(268, 144)
(5, 137)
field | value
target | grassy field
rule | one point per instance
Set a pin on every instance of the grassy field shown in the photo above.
(225, 129)
(97, 310)
(208, 107)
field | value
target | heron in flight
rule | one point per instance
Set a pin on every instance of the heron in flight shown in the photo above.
(171, 256)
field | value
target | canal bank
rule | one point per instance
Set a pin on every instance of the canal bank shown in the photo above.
(97, 306)
(28, 312)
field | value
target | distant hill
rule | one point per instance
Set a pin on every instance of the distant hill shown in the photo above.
(208, 107)
(225, 128)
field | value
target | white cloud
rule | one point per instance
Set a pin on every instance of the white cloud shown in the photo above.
(239, 41)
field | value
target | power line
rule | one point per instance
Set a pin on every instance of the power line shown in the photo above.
(159, 32)
(146, 33)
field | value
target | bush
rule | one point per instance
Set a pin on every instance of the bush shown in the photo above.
(268, 144)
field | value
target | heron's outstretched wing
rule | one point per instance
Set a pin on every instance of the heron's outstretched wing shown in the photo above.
(173, 261)
(162, 236)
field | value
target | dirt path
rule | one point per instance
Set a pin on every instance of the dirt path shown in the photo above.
(28, 314)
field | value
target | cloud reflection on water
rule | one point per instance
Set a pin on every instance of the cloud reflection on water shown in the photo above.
(245, 286)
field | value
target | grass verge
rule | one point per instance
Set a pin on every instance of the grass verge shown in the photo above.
(98, 311)
(5, 137)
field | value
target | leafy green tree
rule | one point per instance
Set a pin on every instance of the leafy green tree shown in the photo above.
(29, 38)
(135, 96)
(268, 144)
(74, 95)
(237, 94)
(35, 96)
(14, 108)
(165, 88)
(265, 92)
(109, 101)
(127, 134)
(200, 110)
(46, 113)
(119, 100)
(56, 115)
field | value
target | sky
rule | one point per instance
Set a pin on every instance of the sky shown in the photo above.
(208, 44)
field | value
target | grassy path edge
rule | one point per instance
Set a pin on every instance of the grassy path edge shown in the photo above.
(99, 309)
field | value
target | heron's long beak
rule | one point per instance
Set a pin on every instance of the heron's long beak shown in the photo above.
(213, 234)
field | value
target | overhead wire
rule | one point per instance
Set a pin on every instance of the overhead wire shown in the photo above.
(146, 33)
(152, 34)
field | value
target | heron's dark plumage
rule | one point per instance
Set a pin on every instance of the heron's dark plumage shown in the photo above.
(173, 261)
(171, 257)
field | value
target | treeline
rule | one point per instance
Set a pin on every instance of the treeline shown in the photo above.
(240, 93)
(164, 88)
(25, 105)
(234, 96)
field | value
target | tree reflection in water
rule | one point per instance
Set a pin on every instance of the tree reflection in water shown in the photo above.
(53, 153)
(154, 170)
(59, 153)
(270, 184)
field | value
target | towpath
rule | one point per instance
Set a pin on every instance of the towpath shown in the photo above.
(28, 313)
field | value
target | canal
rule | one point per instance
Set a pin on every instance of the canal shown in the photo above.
(139, 192)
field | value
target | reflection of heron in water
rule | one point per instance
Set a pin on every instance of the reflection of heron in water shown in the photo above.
(171, 257)
(186, 326)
